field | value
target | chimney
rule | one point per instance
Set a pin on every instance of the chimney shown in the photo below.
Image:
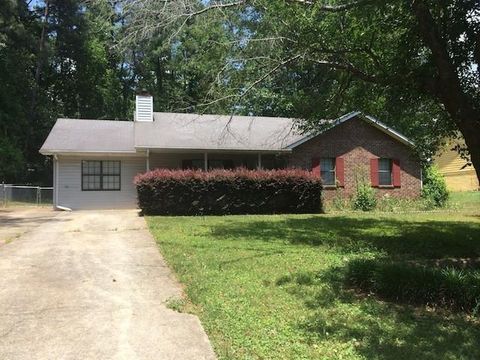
(143, 106)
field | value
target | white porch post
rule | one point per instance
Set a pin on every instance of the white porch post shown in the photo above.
(205, 161)
(148, 160)
(55, 181)
(259, 161)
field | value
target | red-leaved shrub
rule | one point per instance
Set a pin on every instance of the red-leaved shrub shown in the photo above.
(220, 192)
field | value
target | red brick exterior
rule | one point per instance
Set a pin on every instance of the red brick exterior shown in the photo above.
(357, 142)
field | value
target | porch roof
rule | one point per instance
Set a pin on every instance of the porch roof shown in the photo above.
(173, 131)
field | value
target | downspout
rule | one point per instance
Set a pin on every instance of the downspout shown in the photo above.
(148, 159)
(421, 177)
(55, 181)
(55, 186)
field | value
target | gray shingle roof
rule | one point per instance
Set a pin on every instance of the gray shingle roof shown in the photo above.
(215, 132)
(74, 135)
(170, 131)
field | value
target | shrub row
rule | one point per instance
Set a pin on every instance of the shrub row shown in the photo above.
(219, 192)
(447, 288)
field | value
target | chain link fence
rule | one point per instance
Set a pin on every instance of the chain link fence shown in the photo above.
(17, 195)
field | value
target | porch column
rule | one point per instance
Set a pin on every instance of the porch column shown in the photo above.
(205, 161)
(148, 159)
(259, 162)
(55, 181)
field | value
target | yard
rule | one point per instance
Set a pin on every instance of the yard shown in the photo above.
(272, 287)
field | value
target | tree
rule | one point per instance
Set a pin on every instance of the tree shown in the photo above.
(415, 62)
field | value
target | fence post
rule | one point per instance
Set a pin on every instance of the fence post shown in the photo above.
(4, 190)
(38, 196)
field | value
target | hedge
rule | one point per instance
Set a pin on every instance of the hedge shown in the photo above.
(221, 192)
(449, 288)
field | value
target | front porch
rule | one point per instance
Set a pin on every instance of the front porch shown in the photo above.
(202, 160)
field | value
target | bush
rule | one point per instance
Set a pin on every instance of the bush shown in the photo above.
(364, 198)
(434, 188)
(220, 192)
(448, 288)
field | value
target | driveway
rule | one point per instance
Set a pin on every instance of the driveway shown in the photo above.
(18, 220)
(92, 285)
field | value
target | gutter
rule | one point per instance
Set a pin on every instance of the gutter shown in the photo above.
(211, 150)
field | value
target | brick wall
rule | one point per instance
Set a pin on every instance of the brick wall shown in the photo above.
(357, 142)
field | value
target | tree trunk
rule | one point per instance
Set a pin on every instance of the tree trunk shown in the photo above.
(39, 64)
(470, 129)
(448, 88)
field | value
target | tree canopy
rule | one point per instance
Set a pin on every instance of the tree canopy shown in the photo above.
(413, 64)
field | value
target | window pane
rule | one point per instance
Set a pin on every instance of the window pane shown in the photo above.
(91, 167)
(385, 165)
(111, 167)
(91, 182)
(328, 177)
(111, 182)
(385, 178)
(197, 164)
(327, 171)
(385, 171)
(327, 164)
(215, 164)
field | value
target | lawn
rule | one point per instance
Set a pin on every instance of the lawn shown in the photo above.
(272, 287)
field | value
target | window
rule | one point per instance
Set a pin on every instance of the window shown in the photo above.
(384, 172)
(220, 164)
(195, 164)
(198, 164)
(327, 171)
(100, 175)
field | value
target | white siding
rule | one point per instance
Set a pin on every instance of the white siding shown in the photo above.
(69, 182)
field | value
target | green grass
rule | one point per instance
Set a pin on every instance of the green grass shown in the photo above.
(465, 200)
(272, 287)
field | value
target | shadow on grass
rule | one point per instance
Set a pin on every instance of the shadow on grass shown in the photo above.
(414, 239)
(375, 329)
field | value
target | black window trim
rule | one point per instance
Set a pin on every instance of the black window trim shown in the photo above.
(102, 175)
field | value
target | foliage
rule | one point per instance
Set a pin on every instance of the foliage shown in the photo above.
(240, 191)
(71, 58)
(434, 187)
(285, 275)
(11, 160)
(414, 64)
(364, 198)
(449, 287)
(61, 58)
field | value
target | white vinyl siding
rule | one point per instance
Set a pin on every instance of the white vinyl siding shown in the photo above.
(69, 182)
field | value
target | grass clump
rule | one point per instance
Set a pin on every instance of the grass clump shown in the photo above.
(364, 198)
(434, 189)
(450, 288)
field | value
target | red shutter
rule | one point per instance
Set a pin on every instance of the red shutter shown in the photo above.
(396, 172)
(340, 171)
(374, 172)
(316, 166)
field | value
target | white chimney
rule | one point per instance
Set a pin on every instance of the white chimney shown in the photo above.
(144, 107)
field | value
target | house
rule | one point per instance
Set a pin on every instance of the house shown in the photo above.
(95, 161)
(459, 174)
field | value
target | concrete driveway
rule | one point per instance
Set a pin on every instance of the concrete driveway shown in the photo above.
(92, 285)
(18, 220)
